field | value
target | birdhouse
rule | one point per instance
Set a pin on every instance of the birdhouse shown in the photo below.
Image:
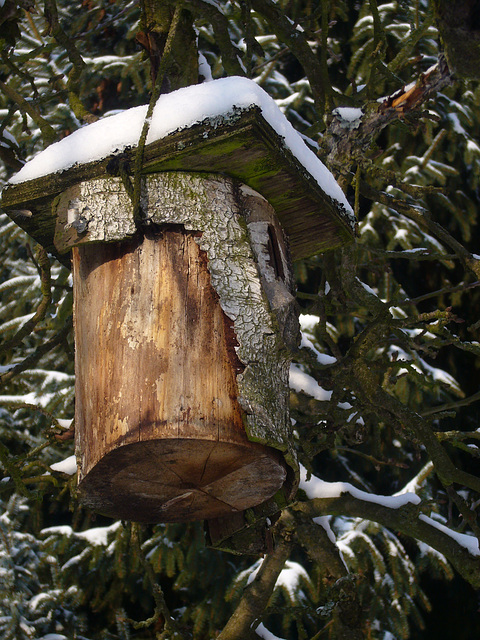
(183, 323)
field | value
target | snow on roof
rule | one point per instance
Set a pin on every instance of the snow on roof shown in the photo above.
(175, 111)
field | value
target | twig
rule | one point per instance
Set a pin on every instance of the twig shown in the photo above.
(137, 176)
(433, 294)
(402, 56)
(453, 405)
(375, 461)
(48, 132)
(467, 513)
(377, 24)
(457, 435)
(161, 608)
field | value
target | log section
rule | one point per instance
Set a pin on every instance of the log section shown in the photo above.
(160, 433)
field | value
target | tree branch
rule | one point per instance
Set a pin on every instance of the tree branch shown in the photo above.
(298, 45)
(324, 552)
(257, 594)
(48, 132)
(420, 216)
(171, 631)
(33, 358)
(363, 382)
(344, 146)
(78, 64)
(406, 519)
(458, 23)
(230, 54)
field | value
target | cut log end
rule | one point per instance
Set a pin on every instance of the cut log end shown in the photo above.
(180, 480)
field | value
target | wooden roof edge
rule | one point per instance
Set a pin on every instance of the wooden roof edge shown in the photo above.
(335, 205)
(50, 185)
(173, 150)
(220, 126)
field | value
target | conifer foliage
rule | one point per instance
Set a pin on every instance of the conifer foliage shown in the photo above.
(383, 386)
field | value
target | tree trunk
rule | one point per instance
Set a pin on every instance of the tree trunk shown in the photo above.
(459, 25)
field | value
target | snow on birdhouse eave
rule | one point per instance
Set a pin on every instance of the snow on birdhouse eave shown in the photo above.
(242, 144)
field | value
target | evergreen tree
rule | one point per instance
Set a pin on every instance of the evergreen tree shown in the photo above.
(383, 386)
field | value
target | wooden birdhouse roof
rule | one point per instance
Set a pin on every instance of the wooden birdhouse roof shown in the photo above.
(229, 126)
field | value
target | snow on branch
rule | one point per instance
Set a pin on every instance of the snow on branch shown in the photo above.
(316, 488)
(401, 512)
(95, 536)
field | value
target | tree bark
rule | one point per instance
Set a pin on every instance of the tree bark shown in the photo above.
(182, 69)
(459, 25)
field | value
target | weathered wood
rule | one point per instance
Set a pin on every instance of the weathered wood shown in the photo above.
(181, 367)
(156, 387)
(242, 145)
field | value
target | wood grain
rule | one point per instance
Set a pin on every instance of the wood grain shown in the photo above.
(160, 433)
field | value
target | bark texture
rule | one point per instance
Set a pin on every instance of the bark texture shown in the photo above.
(459, 25)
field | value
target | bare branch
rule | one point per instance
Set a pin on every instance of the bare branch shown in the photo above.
(297, 42)
(44, 348)
(230, 53)
(78, 64)
(171, 631)
(48, 132)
